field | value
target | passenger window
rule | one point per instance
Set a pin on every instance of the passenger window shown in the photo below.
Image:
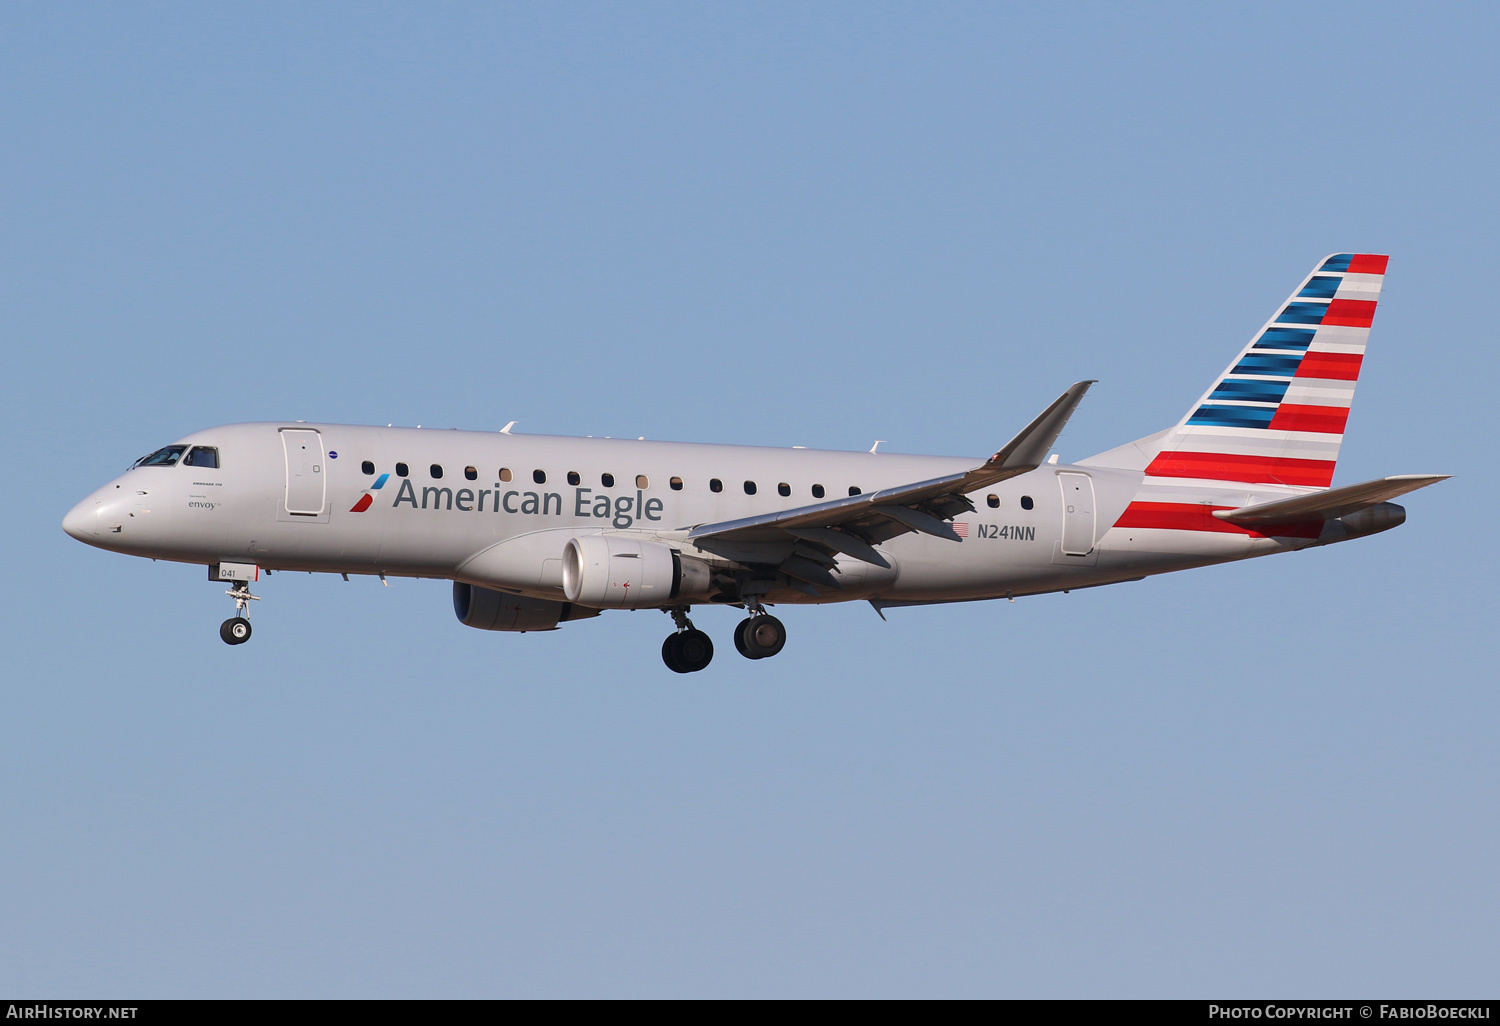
(505, 474)
(716, 485)
(436, 471)
(573, 477)
(472, 473)
(676, 484)
(203, 456)
(167, 457)
(749, 487)
(854, 489)
(607, 480)
(539, 476)
(1026, 502)
(642, 481)
(367, 468)
(783, 489)
(402, 470)
(817, 491)
(993, 500)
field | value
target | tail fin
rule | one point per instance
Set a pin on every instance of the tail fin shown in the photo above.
(1276, 415)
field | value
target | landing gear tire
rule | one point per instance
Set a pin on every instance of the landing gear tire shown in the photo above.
(235, 630)
(739, 640)
(695, 650)
(760, 637)
(669, 654)
(687, 651)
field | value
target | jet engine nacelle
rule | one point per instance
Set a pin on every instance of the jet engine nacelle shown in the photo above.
(491, 610)
(623, 573)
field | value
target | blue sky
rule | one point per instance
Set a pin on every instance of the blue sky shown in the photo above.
(782, 224)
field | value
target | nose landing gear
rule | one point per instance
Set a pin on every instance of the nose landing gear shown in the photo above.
(689, 649)
(236, 630)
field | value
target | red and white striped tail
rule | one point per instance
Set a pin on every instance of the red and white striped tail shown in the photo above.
(1276, 416)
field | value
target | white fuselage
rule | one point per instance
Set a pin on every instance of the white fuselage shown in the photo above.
(505, 505)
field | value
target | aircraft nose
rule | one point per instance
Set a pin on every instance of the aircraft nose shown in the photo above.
(82, 521)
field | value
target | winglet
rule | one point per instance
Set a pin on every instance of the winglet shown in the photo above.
(1029, 448)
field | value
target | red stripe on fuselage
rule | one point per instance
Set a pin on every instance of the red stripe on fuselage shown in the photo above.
(1184, 516)
(363, 503)
(1215, 466)
(1327, 419)
(1334, 366)
(1176, 516)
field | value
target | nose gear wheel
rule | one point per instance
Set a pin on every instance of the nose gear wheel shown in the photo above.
(236, 630)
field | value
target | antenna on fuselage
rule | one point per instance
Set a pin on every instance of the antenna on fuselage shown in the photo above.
(506, 429)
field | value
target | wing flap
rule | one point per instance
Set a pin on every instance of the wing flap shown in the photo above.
(919, 521)
(843, 542)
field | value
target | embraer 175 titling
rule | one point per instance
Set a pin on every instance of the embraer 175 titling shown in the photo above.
(535, 530)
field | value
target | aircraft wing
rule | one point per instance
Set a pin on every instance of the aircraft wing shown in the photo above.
(1330, 503)
(855, 524)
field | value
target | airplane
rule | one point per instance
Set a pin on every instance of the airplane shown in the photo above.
(537, 531)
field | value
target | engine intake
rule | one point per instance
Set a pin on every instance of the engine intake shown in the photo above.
(491, 610)
(623, 573)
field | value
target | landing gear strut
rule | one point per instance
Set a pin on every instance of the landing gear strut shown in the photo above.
(760, 636)
(689, 649)
(236, 630)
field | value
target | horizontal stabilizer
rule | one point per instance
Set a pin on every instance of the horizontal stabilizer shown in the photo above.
(1329, 504)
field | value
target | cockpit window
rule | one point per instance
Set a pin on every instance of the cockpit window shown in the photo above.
(167, 457)
(202, 456)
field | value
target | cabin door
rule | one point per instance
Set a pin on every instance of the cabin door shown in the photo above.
(304, 471)
(1078, 513)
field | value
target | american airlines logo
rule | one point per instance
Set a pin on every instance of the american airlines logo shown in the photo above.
(621, 510)
(366, 499)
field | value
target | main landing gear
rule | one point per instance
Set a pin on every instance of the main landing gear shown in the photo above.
(758, 636)
(689, 649)
(236, 630)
